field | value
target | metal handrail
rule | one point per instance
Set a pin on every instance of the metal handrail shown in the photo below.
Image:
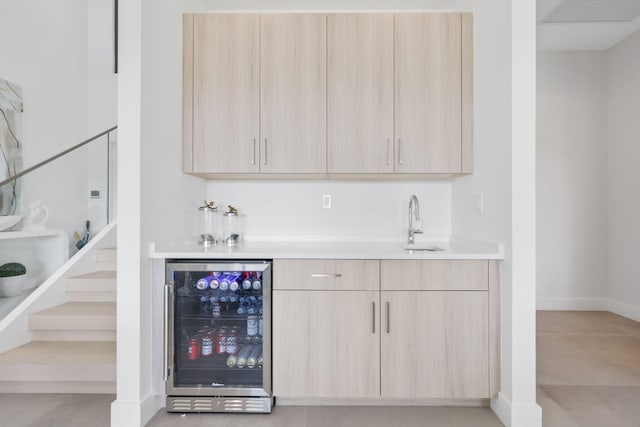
(52, 158)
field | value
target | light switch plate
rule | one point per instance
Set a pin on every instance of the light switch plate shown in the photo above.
(326, 201)
(479, 203)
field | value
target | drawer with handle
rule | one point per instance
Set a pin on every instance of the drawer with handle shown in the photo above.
(330, 275)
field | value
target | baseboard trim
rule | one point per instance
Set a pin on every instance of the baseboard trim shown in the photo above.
(134, 414)
(572, 304)
(625, 310)
(374, 401)
(520, 415)
(590, 304)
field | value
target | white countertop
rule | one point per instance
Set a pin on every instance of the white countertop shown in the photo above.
(453, 249)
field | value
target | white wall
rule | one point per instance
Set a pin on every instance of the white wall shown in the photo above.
(623, 68)
(572, 180)
(161, 202)
(155, 199)
(359, 210)
(44, 49)
(504, 162)
(54, 51)
(102, 88)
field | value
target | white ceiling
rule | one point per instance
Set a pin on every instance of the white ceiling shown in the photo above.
(585, 24)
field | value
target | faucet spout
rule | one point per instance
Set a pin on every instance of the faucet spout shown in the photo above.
(414, 212)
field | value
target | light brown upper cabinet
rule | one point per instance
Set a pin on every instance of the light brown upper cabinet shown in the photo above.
(254, 93)
(224, 79)
(293, 93)
(428, 89)
(360, 93)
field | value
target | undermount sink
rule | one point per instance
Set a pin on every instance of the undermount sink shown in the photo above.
(427, 248)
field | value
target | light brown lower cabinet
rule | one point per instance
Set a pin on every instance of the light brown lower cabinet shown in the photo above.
(420, 340)
(434, 344)
(327, 344)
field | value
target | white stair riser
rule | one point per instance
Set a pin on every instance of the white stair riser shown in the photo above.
(92, 285)
(106, 255)
(101, 387)
(73, 335)
(106, 265)
(92, 296)
(55, 322)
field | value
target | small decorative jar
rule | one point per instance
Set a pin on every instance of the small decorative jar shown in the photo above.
(231, 232)
(209, 222)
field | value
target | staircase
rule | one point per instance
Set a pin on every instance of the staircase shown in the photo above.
(73, 347)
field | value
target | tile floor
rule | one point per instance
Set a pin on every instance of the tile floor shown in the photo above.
(588, 369)
(588, 376)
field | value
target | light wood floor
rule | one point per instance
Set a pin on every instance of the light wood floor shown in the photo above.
(588, 376)
(588, 369)
(342, 416)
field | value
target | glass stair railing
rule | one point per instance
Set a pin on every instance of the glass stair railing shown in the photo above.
(50, 210)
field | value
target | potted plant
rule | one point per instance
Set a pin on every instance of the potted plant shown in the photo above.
(12, 277)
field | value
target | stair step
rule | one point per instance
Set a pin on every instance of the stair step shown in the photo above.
(77, 335)
(86, 387)
(106, 259)
(97, 286)
(51, 361)
(75, 316)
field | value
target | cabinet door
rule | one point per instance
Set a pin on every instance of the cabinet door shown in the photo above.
(326, 344)
(225, 93)
(435, 344)
(428, 110)
(360, 93)
(293, 82)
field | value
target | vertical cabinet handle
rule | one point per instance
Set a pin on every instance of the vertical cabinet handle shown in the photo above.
(387, 304)
(253, 157)
(388, 152)
(373, 317)
(265, 151)
(400, 161)
(165, 353)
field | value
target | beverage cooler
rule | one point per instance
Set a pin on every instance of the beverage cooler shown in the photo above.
(218, 336)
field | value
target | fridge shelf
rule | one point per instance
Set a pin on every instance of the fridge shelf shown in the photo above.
(222, 318)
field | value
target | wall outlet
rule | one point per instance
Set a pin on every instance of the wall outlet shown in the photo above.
(479, 203)
(326, 201)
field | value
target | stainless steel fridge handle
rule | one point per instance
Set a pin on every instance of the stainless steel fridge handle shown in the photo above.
(165, 355)
(387, 304)
(373, 317)
(326, 275)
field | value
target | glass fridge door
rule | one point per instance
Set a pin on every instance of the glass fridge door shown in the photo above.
(219, 318)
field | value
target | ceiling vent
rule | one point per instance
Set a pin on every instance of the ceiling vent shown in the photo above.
(594, 11)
